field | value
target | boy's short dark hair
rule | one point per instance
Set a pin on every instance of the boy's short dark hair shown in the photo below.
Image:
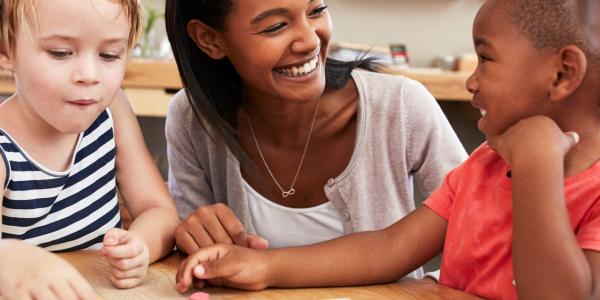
(553, 24)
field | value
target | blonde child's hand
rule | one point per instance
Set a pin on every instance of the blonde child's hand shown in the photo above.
(30, 272)
(127, 256)
(224, 265)
(536, 137)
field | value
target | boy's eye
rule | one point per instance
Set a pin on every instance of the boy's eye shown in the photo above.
(483, 58)
(59, 53)
(275, 28)
(317, 12)
(109, 56)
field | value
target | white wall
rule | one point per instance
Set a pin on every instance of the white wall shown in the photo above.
(429, 28)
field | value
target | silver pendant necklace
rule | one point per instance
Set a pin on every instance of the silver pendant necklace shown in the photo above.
(291, 191)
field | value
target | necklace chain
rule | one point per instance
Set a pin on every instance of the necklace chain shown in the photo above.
(291, 191)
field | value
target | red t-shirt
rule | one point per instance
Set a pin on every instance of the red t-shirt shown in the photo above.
(476, 200)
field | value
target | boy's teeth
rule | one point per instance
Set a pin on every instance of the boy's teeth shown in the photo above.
(483, 112)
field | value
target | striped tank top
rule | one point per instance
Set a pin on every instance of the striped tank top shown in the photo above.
(62, 211)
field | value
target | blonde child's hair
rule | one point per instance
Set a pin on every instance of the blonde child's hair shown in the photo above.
(14, 18)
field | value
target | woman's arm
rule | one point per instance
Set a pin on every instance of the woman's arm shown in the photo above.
(361, 258)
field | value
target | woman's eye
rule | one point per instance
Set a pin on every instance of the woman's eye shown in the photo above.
(275, 28)
(109, 56)
(318, 11)
(483, 58)
(60, 54)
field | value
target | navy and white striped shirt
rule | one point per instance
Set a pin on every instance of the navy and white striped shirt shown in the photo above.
(62, 211)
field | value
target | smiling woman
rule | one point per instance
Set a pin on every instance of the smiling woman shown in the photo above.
(270, 139)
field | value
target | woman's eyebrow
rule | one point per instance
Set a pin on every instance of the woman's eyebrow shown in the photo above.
(271, 12)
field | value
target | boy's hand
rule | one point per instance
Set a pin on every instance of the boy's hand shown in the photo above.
(226, 265)
(213, 224)
(127, 256)
(29, 272)
(537, 137)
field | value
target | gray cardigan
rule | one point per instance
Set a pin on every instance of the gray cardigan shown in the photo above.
(402, 136)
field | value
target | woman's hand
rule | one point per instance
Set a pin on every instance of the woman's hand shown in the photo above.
(30, 272)
(213, 224)
(224, 265)
(127, 256)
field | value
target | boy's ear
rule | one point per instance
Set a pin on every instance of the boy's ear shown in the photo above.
(206, 38)
(569, 72)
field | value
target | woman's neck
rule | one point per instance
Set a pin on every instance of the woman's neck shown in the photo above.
(279, 121)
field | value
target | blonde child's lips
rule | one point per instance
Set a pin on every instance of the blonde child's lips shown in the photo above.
(83, 102)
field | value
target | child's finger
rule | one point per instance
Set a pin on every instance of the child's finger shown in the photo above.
(573, 137)
(126, 283)
(114, 236)
(184, 274)
(132, 273)
(123, 250)
(63, 290)
(125, 264)
(43, 293)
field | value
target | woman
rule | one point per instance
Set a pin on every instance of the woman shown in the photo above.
(272, 138)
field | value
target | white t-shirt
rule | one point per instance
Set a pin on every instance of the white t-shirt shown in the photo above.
(284, 226)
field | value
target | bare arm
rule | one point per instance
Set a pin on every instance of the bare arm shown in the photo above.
(144, 191)
(361, 258)
(548, 262)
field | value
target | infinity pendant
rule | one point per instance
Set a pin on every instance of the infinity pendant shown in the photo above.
(288, 193)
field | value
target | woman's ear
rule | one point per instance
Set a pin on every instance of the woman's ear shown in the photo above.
(206, 39)
(569, 74)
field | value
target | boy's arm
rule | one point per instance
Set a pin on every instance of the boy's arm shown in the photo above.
(140, 184)
(361, 258)
(364, 258)
(548, 261)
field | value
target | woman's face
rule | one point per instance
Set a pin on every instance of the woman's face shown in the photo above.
(279, 47)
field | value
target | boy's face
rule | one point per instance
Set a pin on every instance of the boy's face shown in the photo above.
(70, 64)
(511, 80)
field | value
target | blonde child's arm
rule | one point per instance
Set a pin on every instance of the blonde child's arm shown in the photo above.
(30, 272)
(150, 235)
(361, 258)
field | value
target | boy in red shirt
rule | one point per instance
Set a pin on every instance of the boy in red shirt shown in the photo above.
(520, 218)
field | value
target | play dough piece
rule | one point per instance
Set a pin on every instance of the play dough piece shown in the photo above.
(199, 296)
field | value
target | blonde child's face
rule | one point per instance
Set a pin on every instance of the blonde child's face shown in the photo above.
(69, 66)
(510, 81)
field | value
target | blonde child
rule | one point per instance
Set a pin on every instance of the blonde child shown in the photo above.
(68, 138)
(519, 219)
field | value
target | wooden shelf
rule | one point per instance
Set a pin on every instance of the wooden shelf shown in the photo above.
(149, 84)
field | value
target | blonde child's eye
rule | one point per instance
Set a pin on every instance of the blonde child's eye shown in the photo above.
(109, 56)
(59, 53)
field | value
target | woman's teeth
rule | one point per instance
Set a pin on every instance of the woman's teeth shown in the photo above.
(483, 112)
(302, 70)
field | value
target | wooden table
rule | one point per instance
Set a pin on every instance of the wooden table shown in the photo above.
(160, 284)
